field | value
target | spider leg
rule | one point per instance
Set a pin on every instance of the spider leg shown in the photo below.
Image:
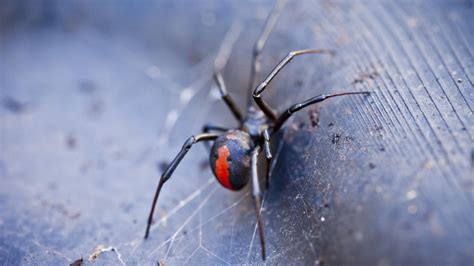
(268, 155)
(256, 194)
(226, 97)
(260, 88)
(260, 44)
(210, 127)
(172, 166)
(296, 107)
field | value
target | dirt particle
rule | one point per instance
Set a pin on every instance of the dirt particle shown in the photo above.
(95, 108)
(331, 124)
(77, 262)
(335, 138)
(348, 139)
(60, 208)
(13, 105)
(87, 86)
(365, 76)
(71, 142)
(101, 249)
(371, 166)
(314, 116)
(472, 158)
(299, 83)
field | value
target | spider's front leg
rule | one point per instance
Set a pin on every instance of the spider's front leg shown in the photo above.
(172, 166)
(296, 107)
(256, 194)
(260, 88)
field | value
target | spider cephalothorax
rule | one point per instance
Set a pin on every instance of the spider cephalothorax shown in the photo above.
(233, 156)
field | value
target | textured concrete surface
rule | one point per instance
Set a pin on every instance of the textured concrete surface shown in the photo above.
(96, 97)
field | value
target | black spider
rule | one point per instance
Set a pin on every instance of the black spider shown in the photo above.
(233, 156)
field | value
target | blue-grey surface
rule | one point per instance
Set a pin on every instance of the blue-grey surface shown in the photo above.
(96, 96)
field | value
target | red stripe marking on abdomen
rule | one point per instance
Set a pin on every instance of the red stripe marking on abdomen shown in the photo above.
(222, 166)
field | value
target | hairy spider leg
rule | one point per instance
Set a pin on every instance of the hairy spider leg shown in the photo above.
(172, 166)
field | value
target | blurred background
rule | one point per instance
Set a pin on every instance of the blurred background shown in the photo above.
(96, 97)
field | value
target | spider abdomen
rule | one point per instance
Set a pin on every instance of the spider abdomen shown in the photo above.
(230, 159)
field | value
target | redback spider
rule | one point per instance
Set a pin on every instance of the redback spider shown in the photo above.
(233, 156)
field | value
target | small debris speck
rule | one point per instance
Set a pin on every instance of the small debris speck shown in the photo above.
(87, 86)
(71, 142)
(412, 209)
(78, 262)
(371, 166)
(411, 194)
(314, 116)
(13, 105)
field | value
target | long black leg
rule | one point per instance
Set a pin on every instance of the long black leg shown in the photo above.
(260, 44)
(256, 194)
(226, 97)
(209, 127)
(172, 166)
(260, 88)
(296, 107)
(268, 155)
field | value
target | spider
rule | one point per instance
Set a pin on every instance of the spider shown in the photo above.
(233, 156)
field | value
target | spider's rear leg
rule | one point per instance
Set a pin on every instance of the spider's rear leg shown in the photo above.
(296, 107)
(172, 166)
(256, 195)
(260, 88)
